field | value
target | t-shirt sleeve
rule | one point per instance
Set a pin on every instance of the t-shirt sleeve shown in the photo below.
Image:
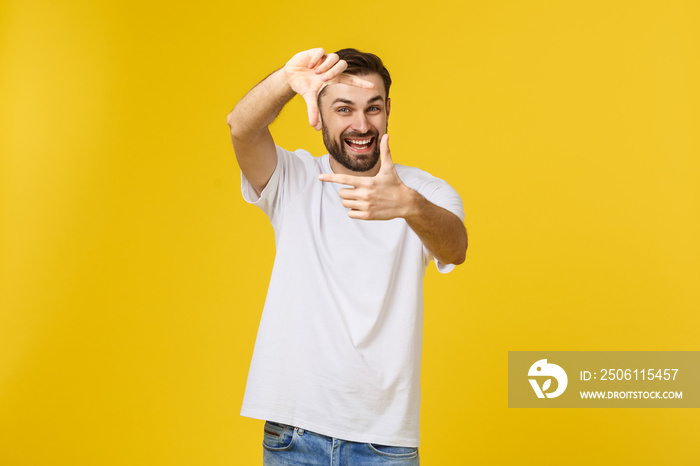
(290, 175)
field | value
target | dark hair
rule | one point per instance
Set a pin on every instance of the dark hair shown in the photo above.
(364, 63)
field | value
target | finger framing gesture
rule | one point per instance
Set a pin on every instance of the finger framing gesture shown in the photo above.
(308, 72)
(380, 197)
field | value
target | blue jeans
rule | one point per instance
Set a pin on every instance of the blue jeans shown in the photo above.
(286, 445)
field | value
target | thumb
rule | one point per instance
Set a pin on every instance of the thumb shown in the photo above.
(312, 107)
(385, 155)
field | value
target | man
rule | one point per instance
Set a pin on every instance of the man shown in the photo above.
(336, 364)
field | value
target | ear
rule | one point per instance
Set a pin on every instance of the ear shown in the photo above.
(388, 107)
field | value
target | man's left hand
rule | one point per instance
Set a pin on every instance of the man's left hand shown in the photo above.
(379, 197)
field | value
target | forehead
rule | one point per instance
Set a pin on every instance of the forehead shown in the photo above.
(357, 95)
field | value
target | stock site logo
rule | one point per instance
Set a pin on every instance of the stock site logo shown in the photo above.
(542, 369)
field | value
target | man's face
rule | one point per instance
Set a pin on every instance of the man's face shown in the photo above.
(354, 121)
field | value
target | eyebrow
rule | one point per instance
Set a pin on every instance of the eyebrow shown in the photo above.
(350, 102)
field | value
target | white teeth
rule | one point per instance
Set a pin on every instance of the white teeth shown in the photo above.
(359, 142)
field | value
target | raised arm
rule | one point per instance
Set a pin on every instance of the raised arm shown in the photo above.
(305, 74)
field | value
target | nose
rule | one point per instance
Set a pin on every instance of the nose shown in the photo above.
(361, 123)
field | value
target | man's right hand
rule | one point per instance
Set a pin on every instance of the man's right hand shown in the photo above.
(310, 71)
(307, 73)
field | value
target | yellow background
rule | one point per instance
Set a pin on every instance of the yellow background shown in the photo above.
(133, 274)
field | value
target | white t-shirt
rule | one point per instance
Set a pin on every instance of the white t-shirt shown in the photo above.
(338, 350)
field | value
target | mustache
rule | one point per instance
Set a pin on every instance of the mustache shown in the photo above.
(357, 135)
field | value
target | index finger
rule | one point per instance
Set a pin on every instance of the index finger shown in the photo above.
(354, 81)
(341, 179)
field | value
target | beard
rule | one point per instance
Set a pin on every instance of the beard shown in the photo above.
(355, 162)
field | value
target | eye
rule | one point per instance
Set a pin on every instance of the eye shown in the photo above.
(373, 108)
(343, 110)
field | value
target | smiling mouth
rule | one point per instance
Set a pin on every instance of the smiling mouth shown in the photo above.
(360, 144)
